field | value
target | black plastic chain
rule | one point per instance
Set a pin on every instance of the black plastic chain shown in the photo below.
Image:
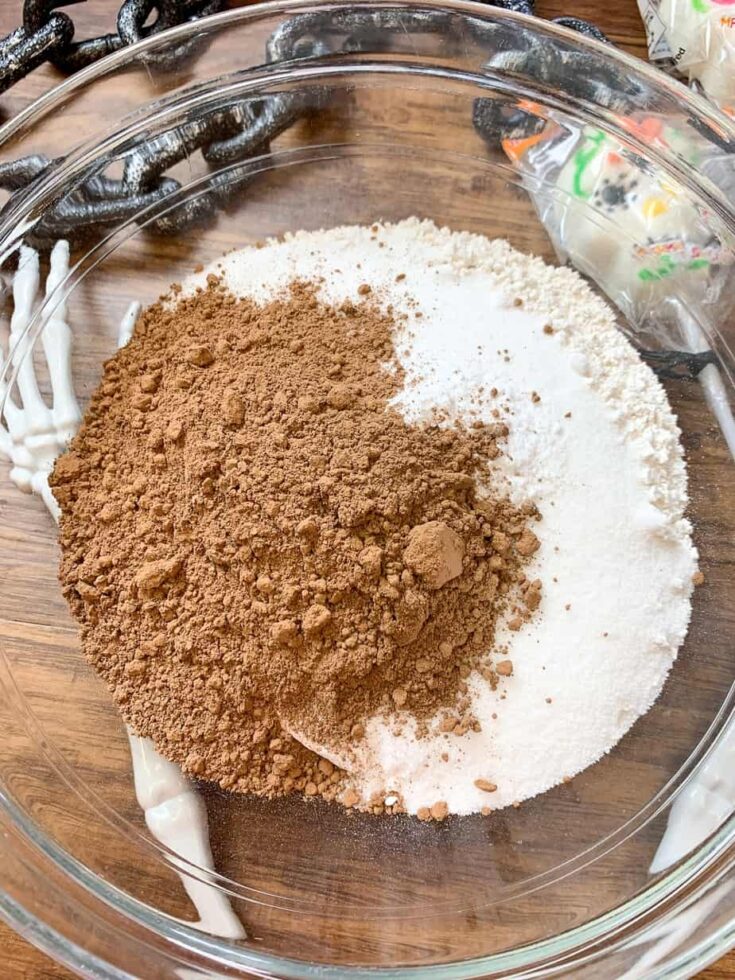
(678, 365)
(225, 137)
(48, 35)
(23, 50)
(228, 136)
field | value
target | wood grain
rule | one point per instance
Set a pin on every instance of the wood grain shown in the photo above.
(622, 23)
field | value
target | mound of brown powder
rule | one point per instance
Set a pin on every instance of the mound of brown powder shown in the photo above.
(254, 542)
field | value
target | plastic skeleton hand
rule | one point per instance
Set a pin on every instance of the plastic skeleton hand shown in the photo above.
(35, 434)
(33, 437)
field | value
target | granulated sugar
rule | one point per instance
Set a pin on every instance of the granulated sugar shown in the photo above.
(493, 333)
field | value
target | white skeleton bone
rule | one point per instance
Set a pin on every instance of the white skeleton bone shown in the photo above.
(127, 324)
(31, 439)
(176, 816)
(35, 434)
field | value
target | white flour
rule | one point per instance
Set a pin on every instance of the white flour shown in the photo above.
(616, 556)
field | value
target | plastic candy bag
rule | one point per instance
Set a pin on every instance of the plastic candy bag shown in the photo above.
(696, 38)
(630, 228)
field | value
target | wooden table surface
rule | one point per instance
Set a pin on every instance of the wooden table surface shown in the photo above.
(621, 22)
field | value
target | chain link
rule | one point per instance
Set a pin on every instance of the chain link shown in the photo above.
(679, 365)
(22, 51)
(36, 16)
(234, 134)
(47, 35)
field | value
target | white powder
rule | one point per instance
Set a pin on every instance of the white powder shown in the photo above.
(616, 556)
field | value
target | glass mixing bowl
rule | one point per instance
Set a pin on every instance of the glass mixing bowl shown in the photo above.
(472, 117)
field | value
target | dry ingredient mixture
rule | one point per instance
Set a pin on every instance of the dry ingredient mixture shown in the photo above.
(304, 510)
(256, 543)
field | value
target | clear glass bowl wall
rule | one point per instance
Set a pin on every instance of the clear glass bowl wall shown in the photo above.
(561, 884)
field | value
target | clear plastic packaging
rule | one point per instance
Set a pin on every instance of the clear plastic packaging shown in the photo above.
(665, 258)
(695, 38)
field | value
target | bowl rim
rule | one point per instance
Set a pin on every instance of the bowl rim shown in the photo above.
(681, 886)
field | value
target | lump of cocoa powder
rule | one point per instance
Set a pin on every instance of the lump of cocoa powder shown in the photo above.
(153, 574)
(280, 551)
(435, 553)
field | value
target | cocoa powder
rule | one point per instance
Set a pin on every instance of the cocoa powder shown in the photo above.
(254, 542)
